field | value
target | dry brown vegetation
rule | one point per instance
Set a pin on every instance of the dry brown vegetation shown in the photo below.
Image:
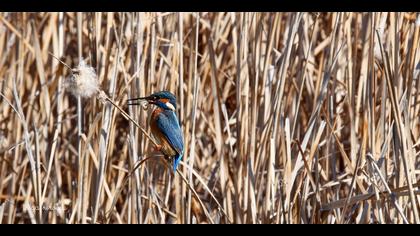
(287, 118)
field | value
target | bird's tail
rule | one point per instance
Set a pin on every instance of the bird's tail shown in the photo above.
(176, 160)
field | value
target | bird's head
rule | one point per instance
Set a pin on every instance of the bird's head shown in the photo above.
(162, 99)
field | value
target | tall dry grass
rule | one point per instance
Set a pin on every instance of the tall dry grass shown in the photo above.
(287, 118)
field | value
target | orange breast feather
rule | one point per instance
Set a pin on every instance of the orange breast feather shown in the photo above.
(159, 136)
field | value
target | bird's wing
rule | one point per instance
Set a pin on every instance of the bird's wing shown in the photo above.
(168, 124)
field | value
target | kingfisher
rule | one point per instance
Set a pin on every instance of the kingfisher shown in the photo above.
(164, 125)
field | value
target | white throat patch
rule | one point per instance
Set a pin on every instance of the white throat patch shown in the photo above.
(170, 106)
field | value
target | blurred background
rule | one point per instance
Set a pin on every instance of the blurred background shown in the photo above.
(287, 118)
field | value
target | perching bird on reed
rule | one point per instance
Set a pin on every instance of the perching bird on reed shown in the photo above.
(165, 125)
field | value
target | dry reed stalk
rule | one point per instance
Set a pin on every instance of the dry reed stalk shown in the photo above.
(287, 117)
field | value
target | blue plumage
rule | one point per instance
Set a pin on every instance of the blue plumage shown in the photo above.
(165, 125)
(168, 124)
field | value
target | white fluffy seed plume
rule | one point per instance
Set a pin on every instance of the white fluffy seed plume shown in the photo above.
(84, 81)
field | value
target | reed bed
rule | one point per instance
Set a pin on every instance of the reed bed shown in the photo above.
(287, 118)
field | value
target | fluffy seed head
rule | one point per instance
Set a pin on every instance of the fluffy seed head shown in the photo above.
(84, 81)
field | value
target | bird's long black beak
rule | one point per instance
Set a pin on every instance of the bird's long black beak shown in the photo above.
(135, 101)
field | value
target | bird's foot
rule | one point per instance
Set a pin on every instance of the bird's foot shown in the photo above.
(158, 148)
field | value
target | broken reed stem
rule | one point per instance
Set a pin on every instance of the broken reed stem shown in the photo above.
(124, 182)
(196, 196)
(249, 45)
(205, 187)
(136, 166)
(141, 162)
(62, 62)
(127, 177)
(102, 95)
